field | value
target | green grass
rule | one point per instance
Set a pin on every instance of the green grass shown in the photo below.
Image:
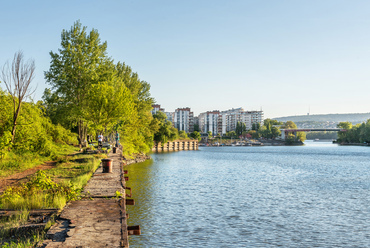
(9, 239)
(51, 188)
(14, 163)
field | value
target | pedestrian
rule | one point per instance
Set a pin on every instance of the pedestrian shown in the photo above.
(100, 140)
(117, 138)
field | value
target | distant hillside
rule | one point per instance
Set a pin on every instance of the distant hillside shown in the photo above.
(354, 118)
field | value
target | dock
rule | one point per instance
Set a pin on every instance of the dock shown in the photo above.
(99, 219)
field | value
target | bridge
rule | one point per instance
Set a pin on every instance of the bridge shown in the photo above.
(285, 132)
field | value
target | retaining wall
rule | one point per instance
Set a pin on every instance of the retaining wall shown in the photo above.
(177, 145)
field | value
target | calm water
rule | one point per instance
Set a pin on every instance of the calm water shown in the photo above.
(310, 196)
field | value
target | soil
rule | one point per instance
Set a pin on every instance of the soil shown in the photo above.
(20, 177)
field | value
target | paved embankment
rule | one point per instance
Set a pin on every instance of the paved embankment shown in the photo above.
(99, 220)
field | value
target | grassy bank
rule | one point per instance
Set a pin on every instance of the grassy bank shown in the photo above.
(18, 162)
(51, 188)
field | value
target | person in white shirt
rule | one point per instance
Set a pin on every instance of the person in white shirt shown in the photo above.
(100, 140)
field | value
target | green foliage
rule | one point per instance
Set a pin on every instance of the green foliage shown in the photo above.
(231, 134)
(291, 138)
(254, 134)
(269, 130)
(183, 135)
(39, 192)
(78, 65)
(359, 133)
(196, 135)
(256, 126)
(289, 125)
(97, 94)
(43, 192)
(165, 131)
(240, 128)
(35, 133)
(209, 134)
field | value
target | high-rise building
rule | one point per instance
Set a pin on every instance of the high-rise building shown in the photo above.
(170, 116)
(184, 120)
(208, 121)
(222, 122)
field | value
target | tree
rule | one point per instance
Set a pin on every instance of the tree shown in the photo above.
(268, 130)
(196, 135)
(301, 136)
(209, 134)
(240, 128)
(73, 70)
(183, 135)
(142, 126)
(289, 125)
(165, 131)
(342, 136)
(256, 126)
(231, 134)
(17, 80)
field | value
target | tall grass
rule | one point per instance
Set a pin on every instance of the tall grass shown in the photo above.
(17, 162)
(52, 188)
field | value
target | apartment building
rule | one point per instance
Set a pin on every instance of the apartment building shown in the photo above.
(222, 122)
(183, 119)
(208, 121)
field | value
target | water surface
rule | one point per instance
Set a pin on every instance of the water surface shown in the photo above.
(315, 195)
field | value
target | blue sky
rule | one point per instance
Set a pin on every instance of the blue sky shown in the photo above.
(285, 57)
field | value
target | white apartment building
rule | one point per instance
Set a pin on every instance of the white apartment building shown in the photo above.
(222, 122)
(184, 120)
(208, 121)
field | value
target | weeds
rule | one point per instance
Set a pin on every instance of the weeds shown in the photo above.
(18, 162)
(51, 188)
(42, 191)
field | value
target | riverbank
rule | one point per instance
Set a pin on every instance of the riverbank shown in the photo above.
(99, 218)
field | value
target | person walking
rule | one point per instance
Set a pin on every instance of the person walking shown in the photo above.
(100, 140)
(117, 138)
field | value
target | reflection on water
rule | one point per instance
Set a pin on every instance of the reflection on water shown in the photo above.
(315, 195)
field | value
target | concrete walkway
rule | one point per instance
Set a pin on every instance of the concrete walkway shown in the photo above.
(100, 219)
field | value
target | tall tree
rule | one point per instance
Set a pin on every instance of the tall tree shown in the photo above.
(17, 79)
(240, 128)
(165, 130)
(74, 68)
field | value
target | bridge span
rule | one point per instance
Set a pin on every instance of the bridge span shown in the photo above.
(285, 132)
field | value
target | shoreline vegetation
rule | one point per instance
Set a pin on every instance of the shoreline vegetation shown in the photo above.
(89, 94)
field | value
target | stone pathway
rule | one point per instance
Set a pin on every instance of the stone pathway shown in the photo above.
(100, 219)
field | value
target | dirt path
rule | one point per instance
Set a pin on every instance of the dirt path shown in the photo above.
(19, 177)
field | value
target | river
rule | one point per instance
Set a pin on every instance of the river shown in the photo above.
(316, 195)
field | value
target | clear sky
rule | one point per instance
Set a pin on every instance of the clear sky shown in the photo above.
(285, 57)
